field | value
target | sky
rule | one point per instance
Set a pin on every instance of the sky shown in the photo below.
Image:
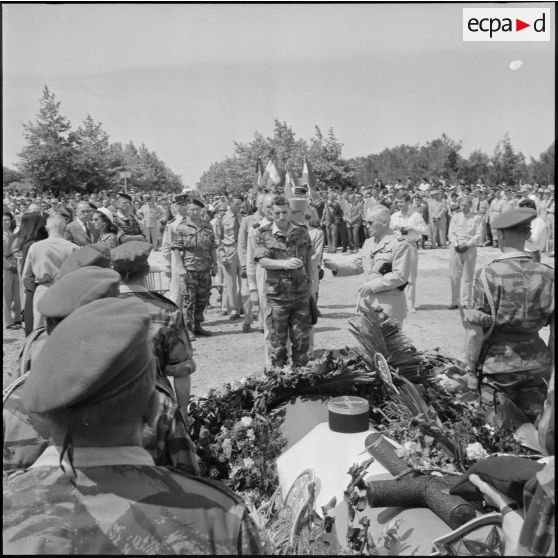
(188, 80)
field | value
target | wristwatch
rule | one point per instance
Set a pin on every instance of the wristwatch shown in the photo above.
(514, 506)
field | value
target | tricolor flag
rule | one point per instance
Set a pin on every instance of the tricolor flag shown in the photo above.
(308, 177)
(259, 173)
(271, 172)
(289, 184)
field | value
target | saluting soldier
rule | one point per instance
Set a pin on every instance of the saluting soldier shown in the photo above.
(193, 242)
(386, 258)
(128, 226)
(95, 490)
(513, 300)
(284, 249)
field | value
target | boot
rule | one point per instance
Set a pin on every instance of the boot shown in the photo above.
(199, 331)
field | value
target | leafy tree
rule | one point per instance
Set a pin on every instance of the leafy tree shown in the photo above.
(48, 158)
(507, 165)
(542, 170)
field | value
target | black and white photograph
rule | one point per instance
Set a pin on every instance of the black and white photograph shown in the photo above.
(278, 278)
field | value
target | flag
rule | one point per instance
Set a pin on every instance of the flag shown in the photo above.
(289, 184)
(271, 173)
(259, 172)
(308, 177)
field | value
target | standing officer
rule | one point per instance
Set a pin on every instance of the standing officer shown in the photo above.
(464, 235)
(128, 227)
(284, 249)
(386, 258)
(513, 300)
(170, 228)
(193, 243)
(437, 211)
(95, 490)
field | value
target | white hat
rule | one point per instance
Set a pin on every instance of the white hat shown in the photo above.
(107, 213)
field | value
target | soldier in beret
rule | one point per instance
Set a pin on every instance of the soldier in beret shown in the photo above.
(24, 437)
(128, 227)
(513, 300)
(95, 490)
(193, 242)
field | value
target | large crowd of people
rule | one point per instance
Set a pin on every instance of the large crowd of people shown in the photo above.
(103, 381)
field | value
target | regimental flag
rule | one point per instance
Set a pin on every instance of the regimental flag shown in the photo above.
(271, 173)
(308, 178)
(289, 183)
(259, 172)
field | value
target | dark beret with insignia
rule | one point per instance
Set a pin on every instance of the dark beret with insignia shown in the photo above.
(96, 353)
(97, 254)
(78, 288)
(131, 257)
(513, 218)
(124, 195)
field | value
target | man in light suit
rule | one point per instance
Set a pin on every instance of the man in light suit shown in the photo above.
(80, 231)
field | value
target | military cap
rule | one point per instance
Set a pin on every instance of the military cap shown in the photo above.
(78, 288)
(181, 198)
(300, 190)
(196, 201)
(124, 195)
(131, 257)
(96, 353)
(97, 254)
(513, 218)
(65, 212)
(92, 206)
(107, 213)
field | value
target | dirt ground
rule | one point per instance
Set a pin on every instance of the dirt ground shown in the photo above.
(231, 354)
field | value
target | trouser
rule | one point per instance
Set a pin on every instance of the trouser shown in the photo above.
(392, 302)
(288, 318)
(195, 296)
(526, 390)
(411, 288)
(483, 227)
(175, 293)
(438, 232)
(461, 271)
(343, 235)
(246, 302)
(10, 297)
(331, 236)
(354, 236)
(38, 318)
(231, 277)
(152, 235)
(28, 311)
(261, 275)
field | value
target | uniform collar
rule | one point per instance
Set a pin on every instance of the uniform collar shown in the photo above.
(275, 229)
(509, 255)
(96, 456)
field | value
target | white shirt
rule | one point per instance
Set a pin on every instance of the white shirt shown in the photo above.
(464, 229)
(537, 240)
(412, 221)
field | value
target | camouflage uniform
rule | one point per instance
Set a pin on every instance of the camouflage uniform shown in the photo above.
(126, 225)
(287, 312)
(26, 437)
(196, 244)
(514, 359)
(120, 503)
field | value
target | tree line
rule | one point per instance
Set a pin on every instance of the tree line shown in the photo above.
(60, 159)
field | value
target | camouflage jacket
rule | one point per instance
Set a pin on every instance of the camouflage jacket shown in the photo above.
(196, 244)
(171, 344)
(271, 243)
(120, 503)
(26, 436)
(523, 293)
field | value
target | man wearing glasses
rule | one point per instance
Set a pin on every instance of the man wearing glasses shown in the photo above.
(80, 231)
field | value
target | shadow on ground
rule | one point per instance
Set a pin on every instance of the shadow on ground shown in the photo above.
(338, 315)
(433, 307)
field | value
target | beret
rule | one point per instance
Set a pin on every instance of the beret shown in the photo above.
(508, 474)
(513, 217)
(78, 288)
(96, 353)
(298, 204)
(97, 254)
(131, 256)
(124, 195)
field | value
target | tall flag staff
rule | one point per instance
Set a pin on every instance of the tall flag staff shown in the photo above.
(289, 183)
(308, 178)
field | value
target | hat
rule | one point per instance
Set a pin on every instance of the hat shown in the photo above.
(513, 217)
(196, 201)
(65, 212)
(96, 353)
(302, 189)
(107, 213)
(131, 256)
(78, 288)
(97, 254)
(92, 206)
(298, 204)
(124, 195)
(181, 198)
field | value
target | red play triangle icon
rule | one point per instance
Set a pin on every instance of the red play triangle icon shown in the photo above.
(519, 25)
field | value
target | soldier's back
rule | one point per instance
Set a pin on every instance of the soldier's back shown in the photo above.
(119, 509)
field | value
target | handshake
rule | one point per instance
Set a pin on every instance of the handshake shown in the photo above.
(460, 248)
